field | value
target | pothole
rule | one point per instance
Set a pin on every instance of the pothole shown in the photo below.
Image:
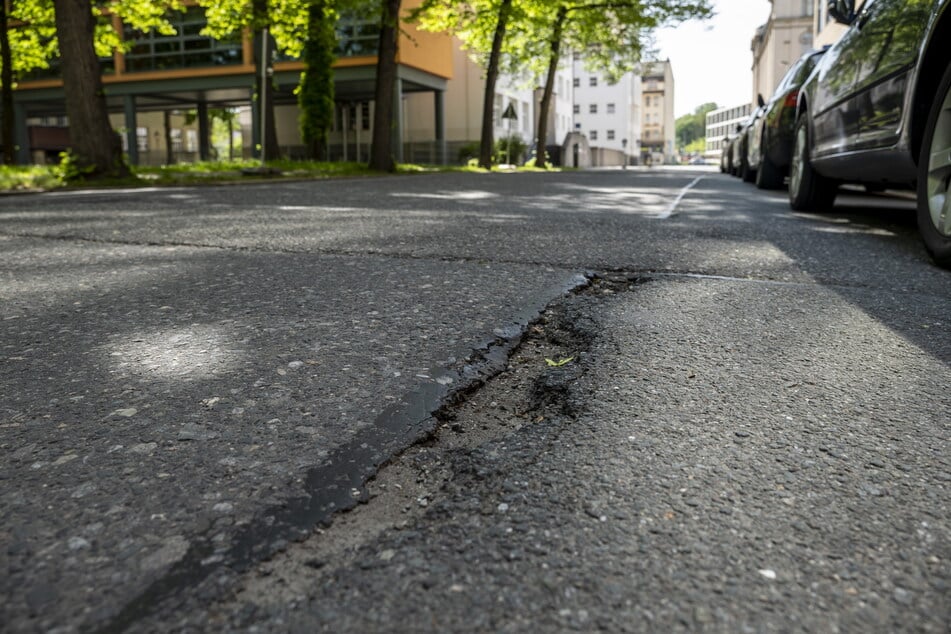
(533, 387)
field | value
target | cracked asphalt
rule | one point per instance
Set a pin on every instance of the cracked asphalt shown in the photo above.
(553, 402)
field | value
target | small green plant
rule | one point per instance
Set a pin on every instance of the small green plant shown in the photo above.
(468, 152)
(70, 170)
(509, 150)
(559, 363)
(29, 177)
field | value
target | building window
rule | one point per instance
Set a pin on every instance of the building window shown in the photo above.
(142, 139)
(594, 135)
(187, 48)
(577, 109)
(577, 82)
(593, 108)
(610, 108)
(592, 81)
(610, 135)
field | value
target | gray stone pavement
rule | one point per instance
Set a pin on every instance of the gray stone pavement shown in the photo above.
(179, 365)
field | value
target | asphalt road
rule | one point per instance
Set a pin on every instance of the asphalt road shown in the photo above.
(748, 432)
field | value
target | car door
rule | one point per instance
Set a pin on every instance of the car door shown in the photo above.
(860, 94)
(891, 34)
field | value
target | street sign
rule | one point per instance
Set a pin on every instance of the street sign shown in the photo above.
(510, 112)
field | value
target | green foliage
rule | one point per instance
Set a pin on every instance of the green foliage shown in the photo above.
(691, 127)
(509, 149)
(468, 151)
(72, 169)
(32, 35)
(29, 178)
(315, 95)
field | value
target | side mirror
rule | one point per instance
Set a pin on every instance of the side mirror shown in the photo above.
(842, 11)
(760, 101)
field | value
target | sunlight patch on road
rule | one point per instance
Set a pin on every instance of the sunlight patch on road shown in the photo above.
(461, 195)
(183, 353)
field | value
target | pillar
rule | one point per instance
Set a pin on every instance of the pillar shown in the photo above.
(131, 128)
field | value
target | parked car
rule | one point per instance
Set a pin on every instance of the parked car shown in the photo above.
(771, 139)
(877, 111)
(725, 158)
(747, 168)
(740, 146)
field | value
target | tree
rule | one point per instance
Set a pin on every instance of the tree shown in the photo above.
(6, 80)
(691, 127)
(96, 148)
(316, 91)
(79, 32)
(381, 147)
(530, 35)
(285, 22)
(611, 34)
(481, 25)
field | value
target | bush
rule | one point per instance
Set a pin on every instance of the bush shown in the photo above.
(510, 149)
(468, 152)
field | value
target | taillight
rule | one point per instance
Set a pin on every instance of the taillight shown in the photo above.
(791, 99)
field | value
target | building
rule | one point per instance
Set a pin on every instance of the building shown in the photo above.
(608, 115)
(164, 93)
(464, 101)
(721, 126)
(786, 36)
(658, 125)
(825, 29)
(161, 92)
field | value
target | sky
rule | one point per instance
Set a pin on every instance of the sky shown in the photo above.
(711, 60)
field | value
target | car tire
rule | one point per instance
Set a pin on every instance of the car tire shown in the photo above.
(749, 174)
(934, 177)
(808, 190)
(768, 176)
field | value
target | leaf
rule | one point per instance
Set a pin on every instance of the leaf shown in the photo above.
(558, 364)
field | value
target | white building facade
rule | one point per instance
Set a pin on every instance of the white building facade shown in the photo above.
(608, 115)
(721, 127)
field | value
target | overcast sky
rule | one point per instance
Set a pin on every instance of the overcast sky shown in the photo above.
(712, 60)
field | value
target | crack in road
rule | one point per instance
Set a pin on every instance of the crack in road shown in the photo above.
(337, 485)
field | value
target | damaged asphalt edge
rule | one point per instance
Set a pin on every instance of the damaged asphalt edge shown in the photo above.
(339, 482)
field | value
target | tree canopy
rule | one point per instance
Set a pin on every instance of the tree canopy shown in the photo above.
(611, 36)
(691, 127)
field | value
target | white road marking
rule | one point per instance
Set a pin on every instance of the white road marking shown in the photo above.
(670, 211)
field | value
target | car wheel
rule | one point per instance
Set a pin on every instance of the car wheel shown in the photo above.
(934, 177)
(768, 176)
(749, 174)
(808, 190)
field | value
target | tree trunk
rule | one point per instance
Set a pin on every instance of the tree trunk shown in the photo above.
(545, 106)
(169, 151)
(491, 78)
(381, 148)
(95, 145)
(6, 78)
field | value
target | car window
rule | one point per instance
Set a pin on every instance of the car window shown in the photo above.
(789, 78)
(890, 36)
(807, 65)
